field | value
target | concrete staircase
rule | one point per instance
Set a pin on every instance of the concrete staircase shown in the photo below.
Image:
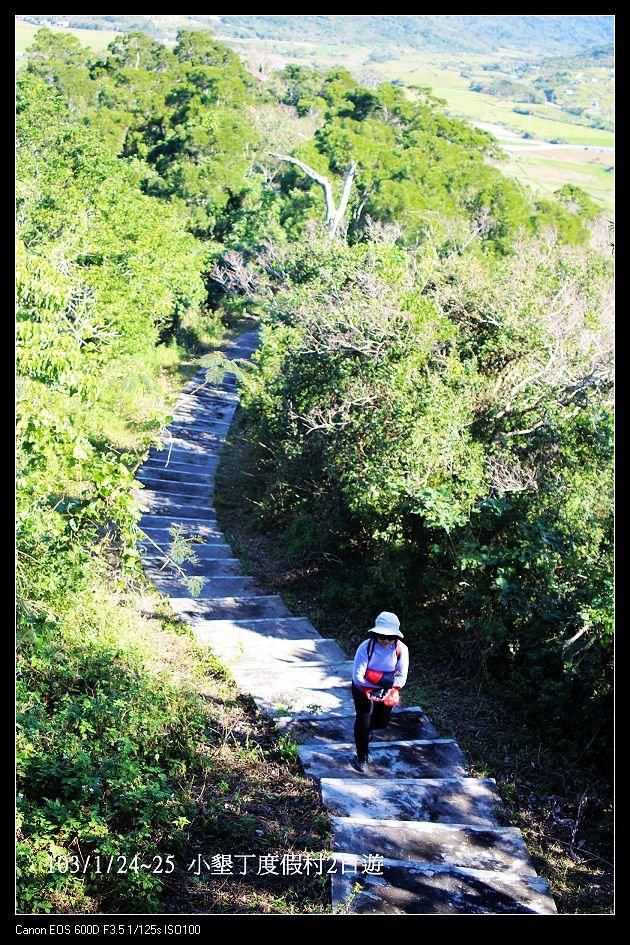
(415, 834)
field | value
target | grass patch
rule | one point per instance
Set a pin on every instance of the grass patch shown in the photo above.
(415, 70)
(135, 746)
(545, 175)
(282, 52)
(137, 742)
(25, 34)
(137, 394)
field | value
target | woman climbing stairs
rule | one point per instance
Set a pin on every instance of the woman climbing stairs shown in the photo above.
(416, 834)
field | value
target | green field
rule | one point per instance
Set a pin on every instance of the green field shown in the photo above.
(546, 174)
(479, 107)
(412, 70)
(544, 171)
(449, 84)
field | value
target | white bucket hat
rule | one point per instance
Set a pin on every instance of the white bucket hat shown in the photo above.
(387, 625)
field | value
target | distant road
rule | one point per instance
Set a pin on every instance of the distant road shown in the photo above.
(511, 141)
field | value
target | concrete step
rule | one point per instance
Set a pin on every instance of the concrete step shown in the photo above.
(202, 552)
(222, 396)
(270, 654)
(297, 690)
(184, 449)
(225, 394)
(217, 567)
(276, 703)
(184, 438)
(213, 587)
(440, 800)
(199, 386)
(228, 608)
(189, 526)
(205, 419)
(243, 346)
(174, 473)
(202, 469)
(202, 412)
(199, 399)
(253, 634)
(206, 423)
(174, 441)
(291, 677)
(177, 487)
(430, 758)
(209, 395)
(201, 420)
(163, 503)
(465, 845)
(403, 724)
(199, 536)
(421, 889)
(207, 406)
(197, 462)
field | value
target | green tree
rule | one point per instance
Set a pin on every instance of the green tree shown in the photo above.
(134, 51)
(411, 162)
(63, 63)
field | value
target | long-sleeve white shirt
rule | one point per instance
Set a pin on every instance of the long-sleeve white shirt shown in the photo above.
(383, 660)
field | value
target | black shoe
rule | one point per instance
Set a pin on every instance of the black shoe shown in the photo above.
(362, 763)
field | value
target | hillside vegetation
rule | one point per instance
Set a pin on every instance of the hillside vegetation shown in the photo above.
(441, 33)
(524, 89)
(429, 423)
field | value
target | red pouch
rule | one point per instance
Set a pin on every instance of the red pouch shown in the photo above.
(373, 676)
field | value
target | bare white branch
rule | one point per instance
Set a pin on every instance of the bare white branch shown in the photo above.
(334, 214)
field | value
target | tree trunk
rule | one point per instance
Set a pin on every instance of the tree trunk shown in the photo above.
(343, 203)
(334, 215)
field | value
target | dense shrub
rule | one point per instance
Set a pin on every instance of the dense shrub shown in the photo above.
(441, 423)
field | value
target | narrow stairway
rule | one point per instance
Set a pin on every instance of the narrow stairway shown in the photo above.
(415, 834)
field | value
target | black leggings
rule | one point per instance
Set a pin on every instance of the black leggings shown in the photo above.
(370, 715)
